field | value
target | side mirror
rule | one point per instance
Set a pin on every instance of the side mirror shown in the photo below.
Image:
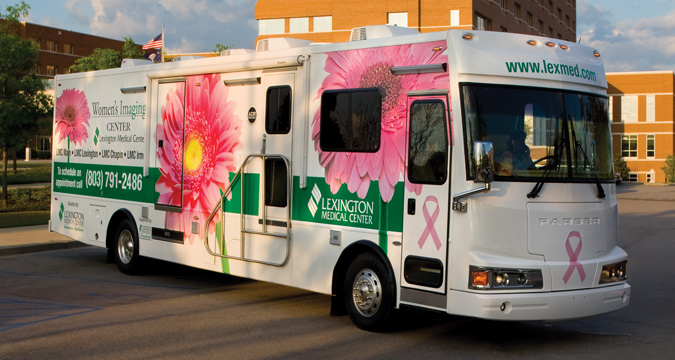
(484, 158)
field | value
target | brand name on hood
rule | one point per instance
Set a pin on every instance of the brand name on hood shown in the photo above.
(571, 221)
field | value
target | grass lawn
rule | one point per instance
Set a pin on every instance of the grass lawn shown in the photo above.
(29, 173)
(27, 206)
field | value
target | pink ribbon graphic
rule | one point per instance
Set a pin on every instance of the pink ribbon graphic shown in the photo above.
(430, 229)
(574, 256)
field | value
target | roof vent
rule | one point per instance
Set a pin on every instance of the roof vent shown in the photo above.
(272, 44)
(187, 57)
(135, 62)
(233, 52)
(380, 31)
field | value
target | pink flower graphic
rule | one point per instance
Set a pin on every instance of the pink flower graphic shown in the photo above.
(195, 161)
(72, 114)
(363, 68)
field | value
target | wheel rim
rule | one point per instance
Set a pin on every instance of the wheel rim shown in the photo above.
(367, 292)
(125, 246)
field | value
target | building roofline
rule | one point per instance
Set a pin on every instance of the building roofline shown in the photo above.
(71, 31)
(641, 72)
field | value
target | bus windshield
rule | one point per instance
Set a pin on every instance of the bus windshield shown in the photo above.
(539, 133)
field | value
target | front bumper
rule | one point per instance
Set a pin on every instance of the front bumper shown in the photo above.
(557, 305)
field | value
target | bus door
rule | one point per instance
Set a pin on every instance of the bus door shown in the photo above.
(170, 134)
(425, 219)
(267, 234)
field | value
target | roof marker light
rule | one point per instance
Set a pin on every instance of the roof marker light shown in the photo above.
(467, 36)
(596, 53)
(532, 42)
(550, 44)
(564, 47)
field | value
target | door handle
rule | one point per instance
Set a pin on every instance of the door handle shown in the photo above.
(411, 206)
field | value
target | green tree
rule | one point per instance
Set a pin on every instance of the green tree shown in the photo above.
(220, 48)
(669, 169)
(100, 59)
(131, 50)
(22, 100)
(621, 167)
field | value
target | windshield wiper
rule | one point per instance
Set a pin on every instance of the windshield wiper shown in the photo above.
(540, 184)
(560, 146)
(601, 191)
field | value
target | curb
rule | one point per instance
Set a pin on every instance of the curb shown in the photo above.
(33, 248)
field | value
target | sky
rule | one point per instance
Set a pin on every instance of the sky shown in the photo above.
(631, 35)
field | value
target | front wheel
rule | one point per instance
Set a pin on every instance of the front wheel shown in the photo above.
(126, 248)
(368, 292)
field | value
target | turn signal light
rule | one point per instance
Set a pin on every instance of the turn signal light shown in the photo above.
(480, 279)
(484, 278)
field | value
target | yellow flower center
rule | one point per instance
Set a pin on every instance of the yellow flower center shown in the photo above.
(193, 155)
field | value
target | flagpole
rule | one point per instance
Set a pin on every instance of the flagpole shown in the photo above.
(163, 41)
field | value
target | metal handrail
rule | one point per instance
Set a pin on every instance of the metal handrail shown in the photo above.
(219, 208)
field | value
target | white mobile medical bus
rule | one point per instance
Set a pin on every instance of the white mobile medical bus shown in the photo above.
(464, 172)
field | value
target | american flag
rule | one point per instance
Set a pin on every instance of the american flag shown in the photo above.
(154, 43)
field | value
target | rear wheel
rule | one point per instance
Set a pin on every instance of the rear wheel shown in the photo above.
(126, 248)
(368, 292)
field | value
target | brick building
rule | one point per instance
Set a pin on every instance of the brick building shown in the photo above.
(332, 20)
(642, 109)
(60, 48)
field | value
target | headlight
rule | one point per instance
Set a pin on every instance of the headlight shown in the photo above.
(484, 278)
(613, 272)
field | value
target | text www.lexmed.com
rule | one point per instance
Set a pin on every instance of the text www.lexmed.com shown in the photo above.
(550, 68)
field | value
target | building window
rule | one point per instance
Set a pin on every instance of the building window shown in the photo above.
(651, 108)
(397, 19)
(567, 20)
(271, 26)
(610, 108)
(518, 15)
(629, 146)
(632, 177)
(299, 25)
(530, 19)
(51, 70)
(482, 23)
(629, 108)
(454, 18)
(323, 24)
(651, 139)
(69, 49)
(503, 4)
(503, 29)
(351, 120)
(559, 14)
(37, 68)
(541, 27)
(52, 45)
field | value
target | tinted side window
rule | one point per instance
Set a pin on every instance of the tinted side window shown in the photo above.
(278, 112)
(276, 180)
(428, 144)
(351, 120)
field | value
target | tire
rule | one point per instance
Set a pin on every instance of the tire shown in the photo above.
(125, 248)
(369, 292)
